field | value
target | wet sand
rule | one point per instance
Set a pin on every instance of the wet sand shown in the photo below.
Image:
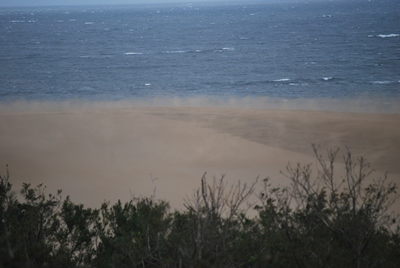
(110, 153)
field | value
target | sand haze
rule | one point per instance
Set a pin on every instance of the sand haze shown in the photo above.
(106, 151)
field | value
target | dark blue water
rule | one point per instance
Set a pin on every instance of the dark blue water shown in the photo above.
(298, 50)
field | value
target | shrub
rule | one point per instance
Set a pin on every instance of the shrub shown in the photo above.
(320, 220)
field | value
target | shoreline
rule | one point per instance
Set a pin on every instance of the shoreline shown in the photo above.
(111, 153)
(363, 105)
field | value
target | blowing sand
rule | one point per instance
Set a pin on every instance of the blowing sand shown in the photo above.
(99, 153)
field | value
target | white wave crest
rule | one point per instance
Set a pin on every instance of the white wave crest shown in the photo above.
(133, 53)
(327, 78)
(388, 35)
(176, 51)
(381, 82)
(282, 80)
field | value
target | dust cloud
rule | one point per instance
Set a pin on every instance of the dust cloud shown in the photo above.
(99, 150)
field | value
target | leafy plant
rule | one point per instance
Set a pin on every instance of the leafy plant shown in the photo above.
(320, 220)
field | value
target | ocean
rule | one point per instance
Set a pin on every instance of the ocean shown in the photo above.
(307, 50)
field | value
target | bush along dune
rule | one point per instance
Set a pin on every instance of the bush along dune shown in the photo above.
(320, 220)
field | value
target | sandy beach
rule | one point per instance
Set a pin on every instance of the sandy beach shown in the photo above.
(111, 153)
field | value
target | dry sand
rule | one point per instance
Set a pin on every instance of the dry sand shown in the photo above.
(110, 153)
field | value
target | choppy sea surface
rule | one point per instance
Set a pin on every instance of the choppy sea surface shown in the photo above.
(334, 50)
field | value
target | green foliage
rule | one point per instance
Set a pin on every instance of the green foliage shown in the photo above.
(76, 235)
(321, 220)
(42, 231)
(133, 234)
(325, 221)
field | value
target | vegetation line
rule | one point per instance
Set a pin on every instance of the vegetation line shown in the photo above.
(320, 220)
